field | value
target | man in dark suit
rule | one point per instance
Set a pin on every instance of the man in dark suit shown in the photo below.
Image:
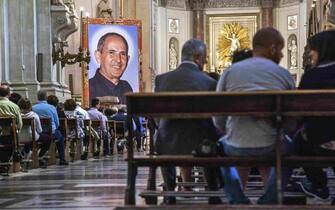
(180, 137)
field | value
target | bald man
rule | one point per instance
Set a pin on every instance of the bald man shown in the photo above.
(248, 136)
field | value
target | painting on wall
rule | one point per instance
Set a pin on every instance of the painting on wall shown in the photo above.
(173, 26)
(225, 35)
(292, 22)
(114, 67)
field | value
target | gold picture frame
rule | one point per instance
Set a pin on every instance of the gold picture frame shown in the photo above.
(86, 23)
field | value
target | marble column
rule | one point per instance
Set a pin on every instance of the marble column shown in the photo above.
(198, 18)
(20, 46)
(2, 47)
(267, 13)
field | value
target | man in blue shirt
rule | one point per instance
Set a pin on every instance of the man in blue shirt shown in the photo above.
(43, 109)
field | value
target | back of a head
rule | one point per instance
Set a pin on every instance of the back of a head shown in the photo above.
(110, 111)
(53, 100)
(214, 75)
(4, 91)
(24, 104)
(70, 105)
(324, 44)
(266, 37)
(95, 102)
(15, 97)
(241, 55)
(193, 48)
(42, 95)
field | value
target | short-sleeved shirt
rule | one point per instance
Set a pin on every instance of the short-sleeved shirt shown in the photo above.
(253, 74)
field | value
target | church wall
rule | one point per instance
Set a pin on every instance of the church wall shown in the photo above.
(185, 33)
(281, 16)
(143, 13)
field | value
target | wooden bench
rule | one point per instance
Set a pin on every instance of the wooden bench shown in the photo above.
(185, 105)
(226, 207)
(47, 129)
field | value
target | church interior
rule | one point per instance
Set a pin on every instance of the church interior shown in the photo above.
(58, 48)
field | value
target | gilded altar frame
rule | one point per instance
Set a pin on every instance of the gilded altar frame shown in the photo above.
(86, 23)
(215, 21)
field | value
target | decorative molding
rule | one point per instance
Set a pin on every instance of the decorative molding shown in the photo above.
(331, 12)
(267, 3)
(176, 4)
(198, 4)
(286, 3)
(232, 3)
(64, 22)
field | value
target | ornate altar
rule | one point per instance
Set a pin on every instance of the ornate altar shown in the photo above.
(226, 34)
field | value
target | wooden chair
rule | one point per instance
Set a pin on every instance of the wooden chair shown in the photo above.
(96, 126)
(8, 130)
(29, 123)
(73, 138)
(90, 143)
(47, 129)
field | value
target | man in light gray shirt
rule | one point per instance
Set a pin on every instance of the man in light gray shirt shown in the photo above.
(249, 136)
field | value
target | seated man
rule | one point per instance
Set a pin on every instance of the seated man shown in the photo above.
(25, 134)
(249, 136)
(7, 108)
(95, 114)
(43, 109)
(177, 136)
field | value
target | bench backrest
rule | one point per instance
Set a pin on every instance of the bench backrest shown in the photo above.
(207, 104)
(28, 123)
(8, 128)
(46, 125)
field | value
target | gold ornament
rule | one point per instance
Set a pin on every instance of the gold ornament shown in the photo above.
(232, 37)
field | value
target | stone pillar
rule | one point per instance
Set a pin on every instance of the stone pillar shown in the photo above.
(2, 47)
(44, 44)
(267, 13)
(198, 17)
(20, 49)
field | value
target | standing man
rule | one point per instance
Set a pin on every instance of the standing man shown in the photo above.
(249, 136)
(112, 55)
(180, 137)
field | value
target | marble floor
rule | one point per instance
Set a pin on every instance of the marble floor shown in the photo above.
(93, 184)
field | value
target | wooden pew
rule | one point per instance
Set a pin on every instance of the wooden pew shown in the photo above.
(88, 127)
(187, 105)
(30, 123)
(47, 129)
(99, 145)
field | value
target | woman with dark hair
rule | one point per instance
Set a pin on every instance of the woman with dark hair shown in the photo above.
(25, 136)
(317, 135)
(241, 55)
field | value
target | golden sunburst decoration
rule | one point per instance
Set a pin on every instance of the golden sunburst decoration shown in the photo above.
(232, 37)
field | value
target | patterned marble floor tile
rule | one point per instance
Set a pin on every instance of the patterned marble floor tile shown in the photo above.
(93, 184)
